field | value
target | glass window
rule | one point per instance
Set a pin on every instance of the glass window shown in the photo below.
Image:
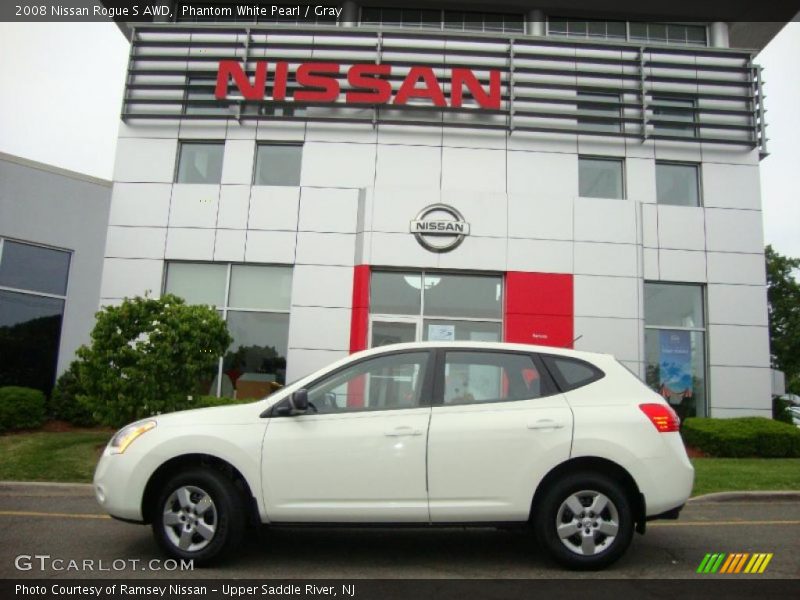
(30, 333)
(28, 267)
(571, 372)
(392, 17)
(256, 360)
(197, 283)
(600, 178)
(593, 29)
(278, 164)
(638, 31)
(678, 116)
(696, 35)
(577, 28)
(395, 293)
(677, 184)
(435, 306)
(557, 26)
(200, 162)
(675, 345)
(416, 18)
(431, 19)
(472, 377)
(370, 15)
(392, 332)
(387, 382)
(669, 33)
(616, 30)
(257, 314)
(656, 32)
(469, 331)
(599, 105)
(453, 20)
(673, 305)
(253, 286)
(659, 33)
(676, 369)
(471, 296)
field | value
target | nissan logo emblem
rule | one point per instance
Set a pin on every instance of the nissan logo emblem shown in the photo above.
(439, 228)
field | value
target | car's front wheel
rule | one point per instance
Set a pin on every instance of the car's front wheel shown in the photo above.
(584, 521)
(199, 516)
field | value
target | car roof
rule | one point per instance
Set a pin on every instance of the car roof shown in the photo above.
(589, 356)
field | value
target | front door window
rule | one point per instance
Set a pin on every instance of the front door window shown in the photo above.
(394, 381)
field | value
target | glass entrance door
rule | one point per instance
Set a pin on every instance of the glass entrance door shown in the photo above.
(392, 331)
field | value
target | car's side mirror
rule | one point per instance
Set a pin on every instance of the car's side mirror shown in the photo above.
(299, 402)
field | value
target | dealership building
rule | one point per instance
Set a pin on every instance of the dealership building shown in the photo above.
(434, 171)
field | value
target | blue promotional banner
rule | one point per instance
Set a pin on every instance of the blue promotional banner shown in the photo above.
(675, 363)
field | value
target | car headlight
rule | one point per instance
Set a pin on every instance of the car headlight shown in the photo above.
(125, 436)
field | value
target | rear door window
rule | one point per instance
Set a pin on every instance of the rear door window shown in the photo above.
(572, 373)
(474, 377)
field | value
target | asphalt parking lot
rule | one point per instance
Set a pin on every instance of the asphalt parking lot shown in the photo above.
(65, 523)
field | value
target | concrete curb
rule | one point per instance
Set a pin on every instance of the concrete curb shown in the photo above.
(775, 496)
(46, 484)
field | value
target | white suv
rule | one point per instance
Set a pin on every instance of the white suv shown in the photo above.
(569, 443)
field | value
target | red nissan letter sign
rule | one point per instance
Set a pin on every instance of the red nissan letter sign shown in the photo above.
(309, 75)
(359, 76)
(431, 90)
(233, 69)
(484, 100)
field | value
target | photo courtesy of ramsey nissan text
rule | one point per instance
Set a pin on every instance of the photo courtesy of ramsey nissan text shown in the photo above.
(399, 299)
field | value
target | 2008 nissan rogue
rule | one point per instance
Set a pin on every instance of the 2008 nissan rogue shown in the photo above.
(570, 444)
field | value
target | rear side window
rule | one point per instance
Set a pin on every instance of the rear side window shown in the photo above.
(572, 373)
(477, 377)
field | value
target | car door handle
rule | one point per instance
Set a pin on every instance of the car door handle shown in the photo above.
(545, 424)
(402, 431)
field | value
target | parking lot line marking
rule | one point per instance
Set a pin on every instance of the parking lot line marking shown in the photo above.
(26, 513)
(717, 523)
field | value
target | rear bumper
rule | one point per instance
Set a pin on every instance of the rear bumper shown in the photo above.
(665, 481)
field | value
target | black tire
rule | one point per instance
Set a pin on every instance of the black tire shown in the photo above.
(223, 511)
(553, 512)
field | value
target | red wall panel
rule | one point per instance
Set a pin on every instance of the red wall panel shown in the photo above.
(539, 309)
(359, 318)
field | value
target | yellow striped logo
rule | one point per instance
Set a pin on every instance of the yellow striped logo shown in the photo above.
(737, 562)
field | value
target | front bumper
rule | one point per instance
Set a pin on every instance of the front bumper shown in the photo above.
(119, 482)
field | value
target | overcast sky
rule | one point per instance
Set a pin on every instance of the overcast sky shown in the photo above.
(62, 92)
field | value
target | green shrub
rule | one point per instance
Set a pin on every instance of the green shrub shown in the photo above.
(780, 410)
(64, 404)
(149, 356)
(21, 408)
(742, 437)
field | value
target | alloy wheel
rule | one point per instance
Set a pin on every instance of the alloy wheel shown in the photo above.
(587, 522)
(190, 518)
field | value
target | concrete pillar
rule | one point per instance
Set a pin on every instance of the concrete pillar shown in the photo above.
(718, 34)
(349, 16)
(535, 23)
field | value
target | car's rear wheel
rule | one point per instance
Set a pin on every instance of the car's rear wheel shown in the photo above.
(584, 521)
(199, 515)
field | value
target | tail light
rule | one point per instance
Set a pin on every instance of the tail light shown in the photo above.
(663, 418)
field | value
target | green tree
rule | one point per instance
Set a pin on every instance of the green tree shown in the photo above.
(148, 356)
(783, 295)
